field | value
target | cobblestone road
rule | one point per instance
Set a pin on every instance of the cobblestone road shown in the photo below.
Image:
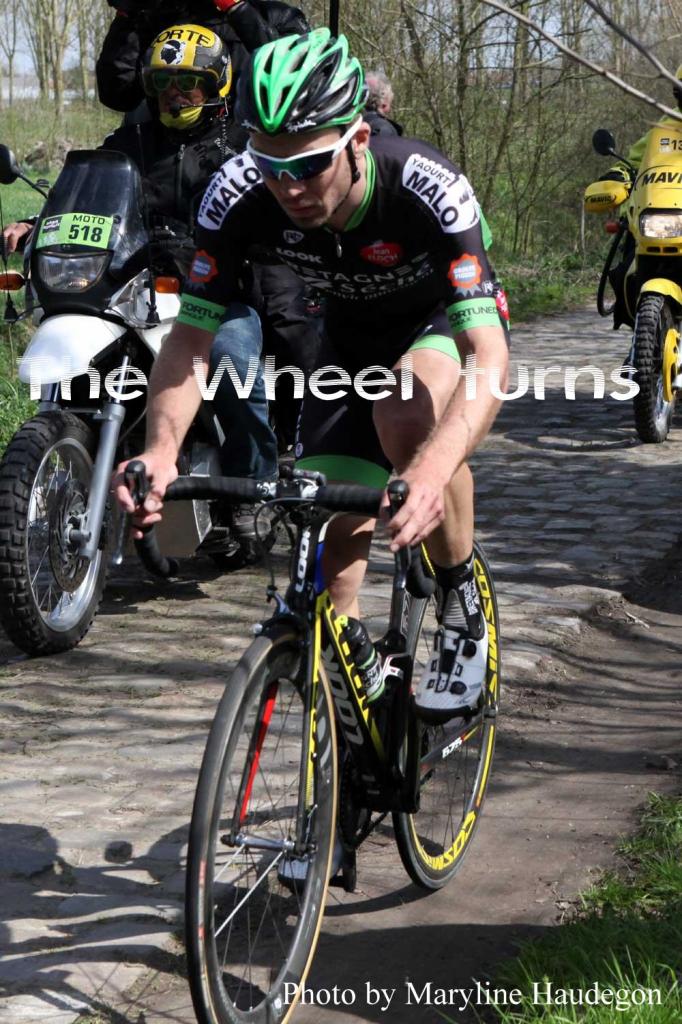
(100, 748)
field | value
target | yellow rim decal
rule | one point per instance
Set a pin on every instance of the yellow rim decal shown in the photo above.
(449, 856)
(671, 354)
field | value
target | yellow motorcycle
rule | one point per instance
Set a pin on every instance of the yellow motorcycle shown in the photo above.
(650, 224)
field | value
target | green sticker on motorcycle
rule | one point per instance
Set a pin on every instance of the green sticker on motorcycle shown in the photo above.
(75, 229)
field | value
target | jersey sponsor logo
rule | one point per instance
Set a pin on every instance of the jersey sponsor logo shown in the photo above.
(372, 283)
(502, 304)
(384, 254)
(306, 257)
(292, 237)
(203, 268)
(198, 312)
(234, 179)
(465, 274)
(444, 190)
(468, 313)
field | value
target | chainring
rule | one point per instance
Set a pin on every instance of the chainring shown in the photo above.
(68, 568)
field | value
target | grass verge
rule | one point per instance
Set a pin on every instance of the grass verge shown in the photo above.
(15, 404)
(552, 283)
(625, 939)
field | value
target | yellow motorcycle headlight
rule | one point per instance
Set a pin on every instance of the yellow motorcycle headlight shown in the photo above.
(661, 225)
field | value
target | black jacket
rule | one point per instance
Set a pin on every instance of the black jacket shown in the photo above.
(380, 124)
(247, 26)
(176, 167)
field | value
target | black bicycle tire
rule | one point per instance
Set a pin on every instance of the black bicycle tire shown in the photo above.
(20, 463)
(211, 1003)
(648, 354)
(418, 864)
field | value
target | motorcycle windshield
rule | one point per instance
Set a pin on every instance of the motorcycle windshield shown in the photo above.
(94, 205)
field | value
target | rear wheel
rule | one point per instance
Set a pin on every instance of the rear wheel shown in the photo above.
(456, 757)
(254, 899)
(49, 595)
(655, 364)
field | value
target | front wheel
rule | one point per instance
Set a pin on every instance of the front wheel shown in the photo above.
(48, 594)
(655, 359)
(261, 838)
(456, 756)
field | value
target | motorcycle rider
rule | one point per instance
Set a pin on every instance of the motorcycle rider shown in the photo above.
(187, 76)
(621, 172)
(243, 25)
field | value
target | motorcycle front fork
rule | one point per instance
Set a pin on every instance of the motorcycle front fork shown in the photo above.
(111, 416)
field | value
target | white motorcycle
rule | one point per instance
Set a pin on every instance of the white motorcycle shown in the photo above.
(102, 318)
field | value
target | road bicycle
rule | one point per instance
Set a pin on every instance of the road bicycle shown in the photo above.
(300, 768)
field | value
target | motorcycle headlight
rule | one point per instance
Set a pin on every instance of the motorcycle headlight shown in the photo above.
(71, 273)
(661, 225)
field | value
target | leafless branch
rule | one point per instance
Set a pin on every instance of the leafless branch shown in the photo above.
(624, 34)
(596, 68)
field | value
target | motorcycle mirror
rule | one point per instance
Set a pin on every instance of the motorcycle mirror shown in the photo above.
(9, 168)
(603, 142)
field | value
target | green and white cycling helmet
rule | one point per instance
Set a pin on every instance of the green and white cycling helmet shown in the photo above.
(301, 83)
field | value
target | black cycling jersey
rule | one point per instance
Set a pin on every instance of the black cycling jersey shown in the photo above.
(414, 243)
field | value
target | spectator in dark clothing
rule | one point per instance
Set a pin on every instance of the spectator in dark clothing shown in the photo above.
(243, 25)
(379, 103)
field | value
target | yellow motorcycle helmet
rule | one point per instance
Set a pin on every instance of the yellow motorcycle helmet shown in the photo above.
(188, 56)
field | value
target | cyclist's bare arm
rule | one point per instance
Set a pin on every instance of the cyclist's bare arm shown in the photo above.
(174, 399)
(463, 425)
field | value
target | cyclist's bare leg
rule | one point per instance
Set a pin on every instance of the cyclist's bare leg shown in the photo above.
(404, 424)
(344, 561)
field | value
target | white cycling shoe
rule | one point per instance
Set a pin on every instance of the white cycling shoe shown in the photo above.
(453, 679)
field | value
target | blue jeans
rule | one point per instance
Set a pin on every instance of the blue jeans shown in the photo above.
(250, 449)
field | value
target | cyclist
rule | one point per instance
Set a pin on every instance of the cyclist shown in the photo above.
(392, 235)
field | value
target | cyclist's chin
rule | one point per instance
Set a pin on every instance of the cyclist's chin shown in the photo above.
(307, 216)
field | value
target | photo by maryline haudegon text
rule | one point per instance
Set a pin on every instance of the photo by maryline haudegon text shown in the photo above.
(411, 993)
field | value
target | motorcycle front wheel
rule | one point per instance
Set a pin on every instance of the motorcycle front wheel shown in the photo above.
(653, 410)
(49, 595)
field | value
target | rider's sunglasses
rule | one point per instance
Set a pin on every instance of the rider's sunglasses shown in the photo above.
(156, 82)
(307, 165)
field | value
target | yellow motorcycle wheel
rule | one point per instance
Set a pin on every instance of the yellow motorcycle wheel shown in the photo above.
(654, 326)
(671, 357)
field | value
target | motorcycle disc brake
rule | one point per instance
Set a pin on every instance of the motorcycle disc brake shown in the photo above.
(68, 568)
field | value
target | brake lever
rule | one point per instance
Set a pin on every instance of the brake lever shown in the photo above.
(398, 491)
(135, 476)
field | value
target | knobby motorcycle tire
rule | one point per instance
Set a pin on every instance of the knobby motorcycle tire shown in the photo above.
(653, 318)
(19, 614)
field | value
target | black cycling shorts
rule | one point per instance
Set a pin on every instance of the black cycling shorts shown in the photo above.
(337, 437)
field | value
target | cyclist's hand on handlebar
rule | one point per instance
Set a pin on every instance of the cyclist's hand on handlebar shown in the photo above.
(422, 512)
(160, 474)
